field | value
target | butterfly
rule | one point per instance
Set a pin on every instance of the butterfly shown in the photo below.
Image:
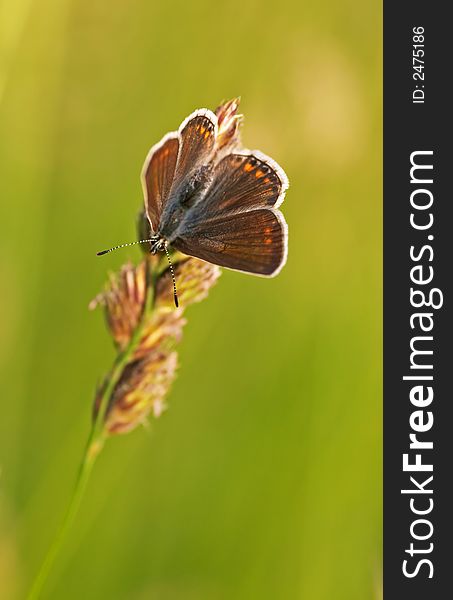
(209, 198)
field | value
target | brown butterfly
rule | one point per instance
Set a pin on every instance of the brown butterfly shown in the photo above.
(209, 199)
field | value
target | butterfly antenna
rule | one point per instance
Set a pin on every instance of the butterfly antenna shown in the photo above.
(175, 294)
(122, 246)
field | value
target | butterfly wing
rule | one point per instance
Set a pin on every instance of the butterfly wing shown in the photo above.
(238, 225)
(254, 242)
(157, 176)
(170, 162)
(197, 136)
(246, 180)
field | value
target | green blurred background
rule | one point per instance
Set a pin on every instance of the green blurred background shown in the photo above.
(263, 479)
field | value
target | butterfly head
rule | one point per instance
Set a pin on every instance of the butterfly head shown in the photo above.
(157, 244)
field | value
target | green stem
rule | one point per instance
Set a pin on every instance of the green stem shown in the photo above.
(95, 441)
(80, 486)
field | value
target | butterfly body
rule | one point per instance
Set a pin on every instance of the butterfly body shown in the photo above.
(177, 210)
(209, 199)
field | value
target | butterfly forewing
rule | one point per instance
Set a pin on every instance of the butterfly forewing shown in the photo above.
(158, 175)
(197, 136)
(244, 181)
(170, 162)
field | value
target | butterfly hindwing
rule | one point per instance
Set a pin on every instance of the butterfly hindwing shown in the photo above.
(237, 224)
(253, 241)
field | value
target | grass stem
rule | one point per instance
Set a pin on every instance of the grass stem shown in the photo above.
(95, 442)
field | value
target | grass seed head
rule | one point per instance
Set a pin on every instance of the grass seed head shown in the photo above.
(151, 331)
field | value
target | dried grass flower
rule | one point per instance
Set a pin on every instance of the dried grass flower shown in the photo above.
(229, 122)
(144, 324)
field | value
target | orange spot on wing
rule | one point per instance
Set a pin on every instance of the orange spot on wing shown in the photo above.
(202, 130)
(259, 174)
(267, 180)
(268, 230)
(206, 135)
(248, 167)
(268, 241)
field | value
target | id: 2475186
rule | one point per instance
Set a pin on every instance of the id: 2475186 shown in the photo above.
(418, 64)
